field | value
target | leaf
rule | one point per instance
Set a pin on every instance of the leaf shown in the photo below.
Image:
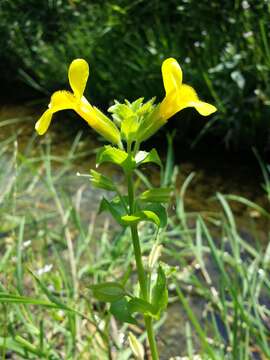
(17, 299)
(108, 291)
(120, 310)
(101, 181)
(129, 127)
(136, 347)
(115, 207)
(141, 306)
(144, 215)
(158, 195)
(116, 156)
(160, 211)
(160, 293)
(144, 157)
(154, 255)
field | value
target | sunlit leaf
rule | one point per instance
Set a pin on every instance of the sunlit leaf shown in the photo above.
(144, 215)
(101, 181)
(116, 156)
(144, 157)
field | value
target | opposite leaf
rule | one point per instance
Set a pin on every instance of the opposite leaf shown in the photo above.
(108, 292)
(144, 157)
(141, 306)
(156, 195)
(115, 207)
(116, 156)
(160, 211)
(101, 181)
(144, 215)
(120, 310)
(160, 293)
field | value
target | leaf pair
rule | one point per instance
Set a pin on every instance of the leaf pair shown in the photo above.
(123, 309)
(154, 213)
(126, 161)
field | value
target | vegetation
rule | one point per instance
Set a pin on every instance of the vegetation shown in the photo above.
(219, 277)
(154, 279)
(224, 49)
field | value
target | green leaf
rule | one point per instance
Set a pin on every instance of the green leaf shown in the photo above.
(160, 211)
(116, 156)
(115, 207)
(141, 306)
(120, 310)
(144, 215)
(144, 157)
(108, 292)
(101, 181)
(17, 299)
(160, 293)
(157, 195)
(129, 127)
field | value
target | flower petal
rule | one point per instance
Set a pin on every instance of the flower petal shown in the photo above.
(78, 74)
(62, 100)
(172, 75)
(187, 97)
(203, 108)
(44, 122)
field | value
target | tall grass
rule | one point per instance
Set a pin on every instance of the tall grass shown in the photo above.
(53, 247)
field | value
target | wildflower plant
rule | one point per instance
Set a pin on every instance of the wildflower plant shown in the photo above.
(132, 123)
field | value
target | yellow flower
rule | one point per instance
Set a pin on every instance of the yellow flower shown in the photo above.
(62, 100)
(179, 96)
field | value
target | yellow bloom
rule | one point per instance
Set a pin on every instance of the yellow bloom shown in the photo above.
(179, 96)
(62, 100)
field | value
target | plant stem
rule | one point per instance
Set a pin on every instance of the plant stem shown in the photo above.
(140, 270)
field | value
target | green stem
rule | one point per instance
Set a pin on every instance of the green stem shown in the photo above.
(140, 270)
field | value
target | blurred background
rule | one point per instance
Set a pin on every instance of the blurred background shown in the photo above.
(223, 48)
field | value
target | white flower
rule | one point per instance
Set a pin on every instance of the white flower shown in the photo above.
(45, 269)
(245, 5)
(247, 34)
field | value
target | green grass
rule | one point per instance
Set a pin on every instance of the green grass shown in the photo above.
(53, 245)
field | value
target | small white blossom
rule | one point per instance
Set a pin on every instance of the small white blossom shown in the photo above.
(245, 5)
(45, 269)
(26, 244)
(247, 34)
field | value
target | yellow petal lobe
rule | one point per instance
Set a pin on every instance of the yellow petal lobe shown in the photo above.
(187, 97)
(62, 100)
(203, 108)
(172, 75)
(44, 122)
(78, 75)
